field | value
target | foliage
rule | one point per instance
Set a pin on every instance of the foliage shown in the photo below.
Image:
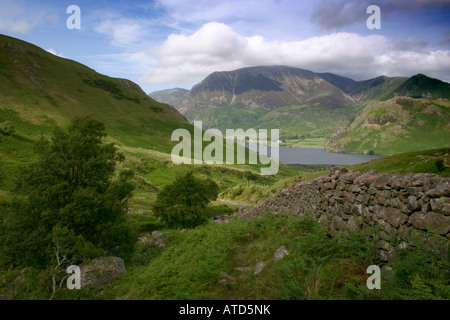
(182, 204)
(410, 162)
(440, 166)
(421, 271)
(6, 128)
(72, 200)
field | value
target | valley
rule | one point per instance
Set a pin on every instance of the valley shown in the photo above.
(319, 109)
(289, 255)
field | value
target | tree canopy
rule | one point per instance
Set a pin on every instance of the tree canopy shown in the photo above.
(182, 204)
(73, 200)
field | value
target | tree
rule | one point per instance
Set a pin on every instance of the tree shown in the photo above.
(6, 128)
(72, 196)
(182, 204)
(439, 164)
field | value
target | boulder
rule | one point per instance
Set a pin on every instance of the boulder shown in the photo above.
(101, 272)
(259, 267)
(280, 253)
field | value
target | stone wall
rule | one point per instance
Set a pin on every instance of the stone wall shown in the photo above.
(398, 206)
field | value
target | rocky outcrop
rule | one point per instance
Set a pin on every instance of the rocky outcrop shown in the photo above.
(399, 207)
(156, 238)
(102, 271)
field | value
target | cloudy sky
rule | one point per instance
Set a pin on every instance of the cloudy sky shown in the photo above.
(163, 44)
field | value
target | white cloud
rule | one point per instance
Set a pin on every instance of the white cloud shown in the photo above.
(15, 18)
(15, 26)
(54, 52)
(123, 32)
(187, 59)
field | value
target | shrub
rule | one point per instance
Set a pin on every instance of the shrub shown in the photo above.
(6, 128)
(439, 163)
(182, 204)
(70, 196)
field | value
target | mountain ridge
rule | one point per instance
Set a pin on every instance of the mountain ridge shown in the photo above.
(301, 103)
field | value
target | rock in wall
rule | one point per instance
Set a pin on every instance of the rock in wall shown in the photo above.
(399, 207)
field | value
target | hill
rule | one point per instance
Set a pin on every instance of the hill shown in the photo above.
(421, 86)
(401, 124)
(295, 100)
(308, 107)
(39, 91)
(169, 96)
(311, 108)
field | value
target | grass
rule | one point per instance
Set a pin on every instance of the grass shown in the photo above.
(217, 261)
(314, 124)
(42, 91)
(410, 162)
(190, 268)
(319, 266)
(304, 143)
(397, 126)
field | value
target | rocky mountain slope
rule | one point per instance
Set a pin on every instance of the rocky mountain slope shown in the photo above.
(169, 96)
(303, 104)
(400, 124)
(297, 101)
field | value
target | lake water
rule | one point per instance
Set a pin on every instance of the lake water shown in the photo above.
(318, 156)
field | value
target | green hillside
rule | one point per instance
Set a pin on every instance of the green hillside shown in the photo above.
(398, 125)
(39, 91)
(426, 161)
(421, 86)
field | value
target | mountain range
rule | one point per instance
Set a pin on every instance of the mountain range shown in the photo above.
(308, 105)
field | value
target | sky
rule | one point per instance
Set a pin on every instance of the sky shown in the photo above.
(162, 44)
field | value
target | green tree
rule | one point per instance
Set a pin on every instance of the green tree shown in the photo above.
(6, 128)
(439, 164)
(71, 196)
(183, 203)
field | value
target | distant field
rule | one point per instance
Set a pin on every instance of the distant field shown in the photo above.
(410, 162)
(304, 143)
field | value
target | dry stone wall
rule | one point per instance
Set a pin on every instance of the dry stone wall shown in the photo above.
(399, 207)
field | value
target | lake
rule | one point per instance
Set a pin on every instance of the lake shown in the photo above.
(318, 156)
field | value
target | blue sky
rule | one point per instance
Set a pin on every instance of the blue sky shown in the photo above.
(163, 44)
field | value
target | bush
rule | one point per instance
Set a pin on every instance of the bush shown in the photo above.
(6, 128)
(183, 203)
(440, 166)
(72, 205)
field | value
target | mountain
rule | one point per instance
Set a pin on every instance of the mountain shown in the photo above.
(39, 91)
(169, 96)
(410, 115)
(401, 124)
(295, 100)
(421, 86)
(309, 108)
(376, 88)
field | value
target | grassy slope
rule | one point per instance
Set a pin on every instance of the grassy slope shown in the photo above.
(397, 125)
(294, 122)
(410, 162)
(317, 267)
(320, 111)
(39, 91)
